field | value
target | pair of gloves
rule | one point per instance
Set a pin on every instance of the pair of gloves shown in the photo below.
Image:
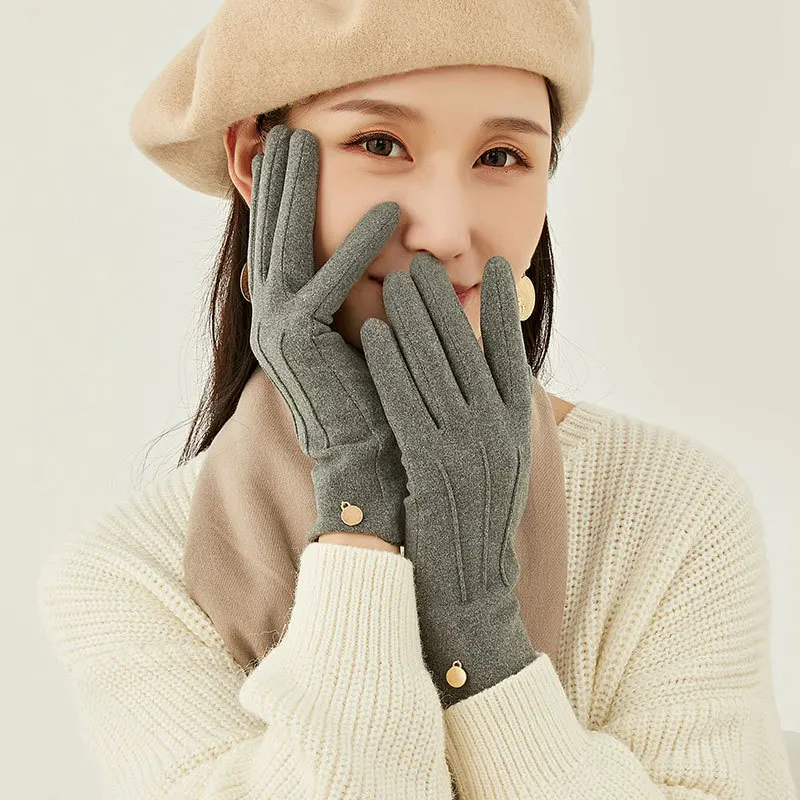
(425, 433)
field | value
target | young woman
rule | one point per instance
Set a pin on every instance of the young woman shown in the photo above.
(461, 609)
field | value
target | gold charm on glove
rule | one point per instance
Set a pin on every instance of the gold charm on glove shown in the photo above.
(456, 676)
(351, 515)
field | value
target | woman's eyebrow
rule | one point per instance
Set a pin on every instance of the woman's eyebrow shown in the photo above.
(383, 108)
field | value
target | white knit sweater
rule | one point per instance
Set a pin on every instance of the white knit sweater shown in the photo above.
(662, 687)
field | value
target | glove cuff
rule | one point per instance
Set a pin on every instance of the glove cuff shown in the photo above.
(492, 649)
(371, 490)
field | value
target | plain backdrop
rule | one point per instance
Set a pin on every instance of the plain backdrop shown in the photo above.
(675, 218)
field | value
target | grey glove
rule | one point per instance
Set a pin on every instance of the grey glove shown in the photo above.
(462, 418)
(338, 417)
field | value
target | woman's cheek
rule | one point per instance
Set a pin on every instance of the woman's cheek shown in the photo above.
(364, 300)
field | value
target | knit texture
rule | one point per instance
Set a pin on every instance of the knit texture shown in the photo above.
(662, 687)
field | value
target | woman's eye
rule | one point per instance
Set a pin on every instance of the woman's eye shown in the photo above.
(389, 141)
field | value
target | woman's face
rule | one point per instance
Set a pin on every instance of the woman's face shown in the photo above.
(463, 198)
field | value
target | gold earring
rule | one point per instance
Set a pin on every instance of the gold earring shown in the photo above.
(526, 297)
(243, 283)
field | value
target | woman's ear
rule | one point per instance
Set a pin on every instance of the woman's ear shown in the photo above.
(242, 142)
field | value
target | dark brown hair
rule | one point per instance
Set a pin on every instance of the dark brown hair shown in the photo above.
(228, 313)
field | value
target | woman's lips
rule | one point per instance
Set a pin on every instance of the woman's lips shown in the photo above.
(462, 298)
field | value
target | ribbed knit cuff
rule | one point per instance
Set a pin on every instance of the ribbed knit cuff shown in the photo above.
(349, 706)
(353, 627)
(356, 594)
(515, 737)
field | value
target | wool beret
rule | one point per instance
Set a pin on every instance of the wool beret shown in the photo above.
(257, 55)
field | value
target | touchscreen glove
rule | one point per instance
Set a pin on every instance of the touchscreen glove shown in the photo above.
(359, 482)
(462, 419)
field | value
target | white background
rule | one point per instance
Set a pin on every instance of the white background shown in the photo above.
(675, 217)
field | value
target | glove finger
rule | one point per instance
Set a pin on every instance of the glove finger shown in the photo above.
(293, 249)
(265, 202)
(466, 361)
(334, 280)
(402, 403)
(255, 170)
(412, 320)
(503, 345)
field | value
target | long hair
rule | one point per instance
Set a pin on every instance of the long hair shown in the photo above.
(228, 314)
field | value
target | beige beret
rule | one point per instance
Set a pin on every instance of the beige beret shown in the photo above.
(258, 55)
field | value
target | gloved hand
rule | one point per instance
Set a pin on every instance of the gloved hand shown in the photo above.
(338, 417)
(462, 419)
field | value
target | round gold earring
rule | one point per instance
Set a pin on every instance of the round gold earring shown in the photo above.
(526, 297)
(243, 283)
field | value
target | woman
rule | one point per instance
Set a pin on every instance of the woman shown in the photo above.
(413, 673)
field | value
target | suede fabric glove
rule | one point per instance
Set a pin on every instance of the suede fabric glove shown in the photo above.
(462, 419)
(338, 417)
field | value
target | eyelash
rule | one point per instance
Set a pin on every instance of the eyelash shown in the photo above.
(362, 137)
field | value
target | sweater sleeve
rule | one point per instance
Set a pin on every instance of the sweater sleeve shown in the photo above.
(693, 712)
(341, 707)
